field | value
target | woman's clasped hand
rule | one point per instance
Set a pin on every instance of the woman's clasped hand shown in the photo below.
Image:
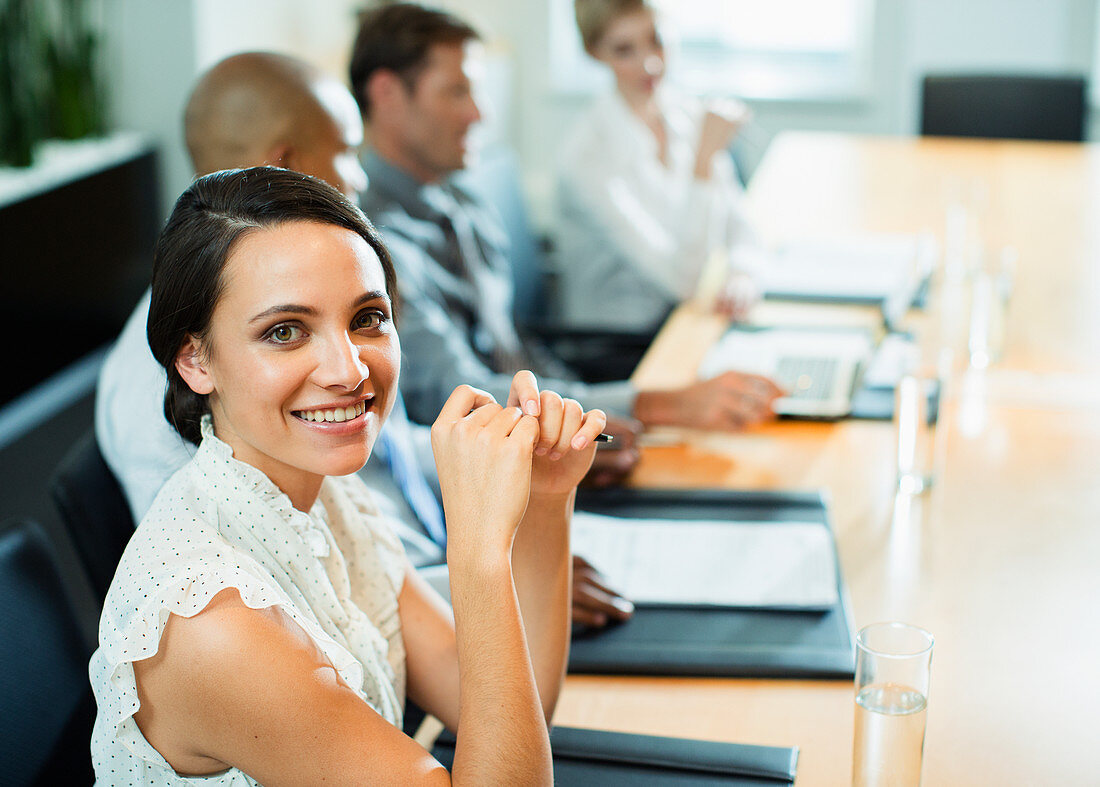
(494, 459)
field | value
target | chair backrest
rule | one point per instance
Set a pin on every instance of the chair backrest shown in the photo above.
(496, 179)
(94, 510)
(48, 709)
(1006, 107)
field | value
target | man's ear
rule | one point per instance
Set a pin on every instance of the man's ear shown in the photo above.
(192, 368)
(384, 88)
(282, 155)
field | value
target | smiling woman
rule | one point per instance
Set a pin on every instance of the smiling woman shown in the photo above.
(264, 623)
(287, 339)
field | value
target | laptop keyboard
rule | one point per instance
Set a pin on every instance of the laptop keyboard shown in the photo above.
(807, 378)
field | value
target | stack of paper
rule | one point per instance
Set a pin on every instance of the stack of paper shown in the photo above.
(869, 269)
(710, 563)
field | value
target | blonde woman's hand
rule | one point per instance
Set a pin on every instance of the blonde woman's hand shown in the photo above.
(739, 294)
(721, 124)
(484, 454)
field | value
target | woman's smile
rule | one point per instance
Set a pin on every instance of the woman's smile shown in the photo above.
(334, 413)
(337, 420)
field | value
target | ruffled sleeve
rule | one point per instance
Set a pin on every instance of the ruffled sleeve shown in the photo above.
(166, 571)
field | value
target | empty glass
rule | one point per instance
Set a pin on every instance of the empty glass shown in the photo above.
(915, 434)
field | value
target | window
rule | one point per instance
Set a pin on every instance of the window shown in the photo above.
(778, 49)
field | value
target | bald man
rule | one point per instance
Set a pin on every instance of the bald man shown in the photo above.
(261, 108)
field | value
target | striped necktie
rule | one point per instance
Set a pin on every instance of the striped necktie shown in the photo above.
(488, 290)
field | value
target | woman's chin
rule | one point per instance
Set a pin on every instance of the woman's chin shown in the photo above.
(343, 465)
(342, 462)
(339, 448)
(640, 93)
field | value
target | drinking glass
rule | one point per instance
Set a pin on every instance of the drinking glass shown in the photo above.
(915, 433)
(893, 661)
(989, 309)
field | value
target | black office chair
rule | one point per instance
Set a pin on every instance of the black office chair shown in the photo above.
(1004, 107)
(48, 709)
(94, 510)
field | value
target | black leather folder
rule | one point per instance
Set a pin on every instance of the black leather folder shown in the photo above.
(611, 759)
(718, 642)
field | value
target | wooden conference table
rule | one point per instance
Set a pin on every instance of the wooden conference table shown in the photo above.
(1000, 560)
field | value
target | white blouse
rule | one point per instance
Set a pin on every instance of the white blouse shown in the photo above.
(219, 523)
(634, 234)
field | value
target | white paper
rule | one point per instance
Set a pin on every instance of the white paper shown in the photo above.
(871, 267)
(697, 562)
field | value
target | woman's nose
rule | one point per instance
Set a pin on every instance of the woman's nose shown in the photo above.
(341, 365)
(473, 111)
(654, 65)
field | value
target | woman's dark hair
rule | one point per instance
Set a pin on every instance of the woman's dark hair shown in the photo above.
(196, 242)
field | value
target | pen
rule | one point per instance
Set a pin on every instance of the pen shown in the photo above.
(605, 438)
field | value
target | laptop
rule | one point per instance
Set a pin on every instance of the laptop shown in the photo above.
(820, 369)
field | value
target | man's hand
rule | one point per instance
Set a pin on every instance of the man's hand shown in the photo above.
(594, 603)
(730, 401)
(614, 461)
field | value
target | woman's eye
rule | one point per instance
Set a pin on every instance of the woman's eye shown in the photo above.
(367, 320)
(284, 334)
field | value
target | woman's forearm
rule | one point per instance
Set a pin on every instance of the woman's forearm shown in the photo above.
(502, 734)
(542, 568)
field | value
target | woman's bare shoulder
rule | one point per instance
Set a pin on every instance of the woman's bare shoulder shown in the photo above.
(211, 665)
(234, 686)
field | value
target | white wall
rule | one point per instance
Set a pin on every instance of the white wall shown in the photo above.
(149, 63)
(320, 32)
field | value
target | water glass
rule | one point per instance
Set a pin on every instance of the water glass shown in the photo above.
(988, 311)
(915, 434)
(893, 662)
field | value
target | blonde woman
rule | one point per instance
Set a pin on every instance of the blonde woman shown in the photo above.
(648, 192)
